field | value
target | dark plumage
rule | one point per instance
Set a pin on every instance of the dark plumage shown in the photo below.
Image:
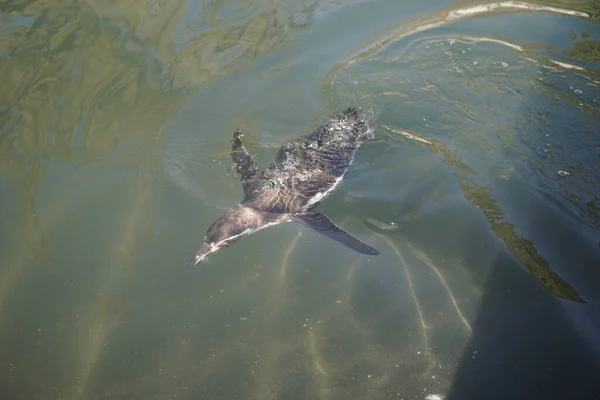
(305, 172)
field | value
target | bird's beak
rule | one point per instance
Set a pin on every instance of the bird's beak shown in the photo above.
(203, 253)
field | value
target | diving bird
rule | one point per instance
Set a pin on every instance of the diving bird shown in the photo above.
(305, 172)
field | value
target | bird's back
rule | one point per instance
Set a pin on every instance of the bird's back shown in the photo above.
(308, 169)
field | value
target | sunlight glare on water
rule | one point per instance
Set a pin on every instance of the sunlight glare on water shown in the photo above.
(480, 190)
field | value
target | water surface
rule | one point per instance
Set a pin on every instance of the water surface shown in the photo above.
(481, 191)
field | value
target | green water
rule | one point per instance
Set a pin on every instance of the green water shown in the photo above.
(481, 191)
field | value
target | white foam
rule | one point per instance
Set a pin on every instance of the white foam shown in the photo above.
(484, 39)
(568, 66)
(470, 11)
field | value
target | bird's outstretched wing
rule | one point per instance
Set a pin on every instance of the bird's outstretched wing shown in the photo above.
(322, 224)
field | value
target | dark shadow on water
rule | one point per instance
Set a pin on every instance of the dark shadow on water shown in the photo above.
(524, 346)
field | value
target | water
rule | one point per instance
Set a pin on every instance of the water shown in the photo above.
(481, 191)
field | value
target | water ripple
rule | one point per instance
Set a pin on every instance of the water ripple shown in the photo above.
(497, 110)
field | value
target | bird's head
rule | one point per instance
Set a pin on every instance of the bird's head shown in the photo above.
(233, 226)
